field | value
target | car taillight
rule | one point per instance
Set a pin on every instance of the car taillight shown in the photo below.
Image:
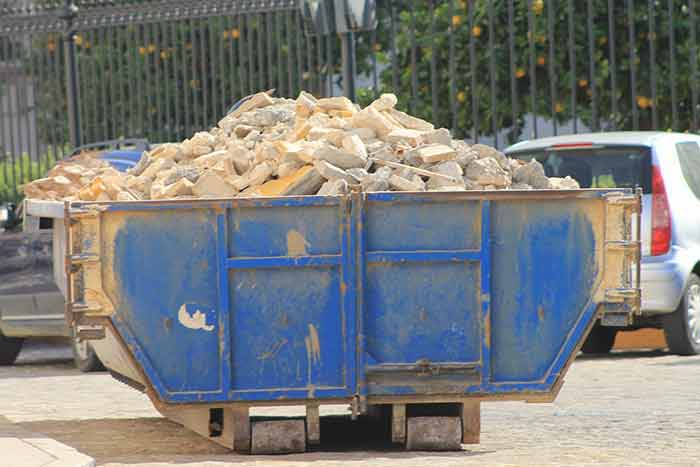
(660, 215)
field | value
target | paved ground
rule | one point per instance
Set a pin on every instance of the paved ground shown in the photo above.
(640, 408)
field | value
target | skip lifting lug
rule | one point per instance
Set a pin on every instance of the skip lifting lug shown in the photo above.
(622, 199)
(80, 309)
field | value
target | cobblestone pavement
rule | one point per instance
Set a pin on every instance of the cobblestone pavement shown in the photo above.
(633, 408)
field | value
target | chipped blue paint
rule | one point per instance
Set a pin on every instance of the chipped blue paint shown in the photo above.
(544, 271)
(297, 297)
(160, 266)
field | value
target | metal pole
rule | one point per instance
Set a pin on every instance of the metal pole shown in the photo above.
(347, 43)
(71, 63)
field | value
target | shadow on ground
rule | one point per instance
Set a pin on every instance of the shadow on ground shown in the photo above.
(625, 354)
(141, 440)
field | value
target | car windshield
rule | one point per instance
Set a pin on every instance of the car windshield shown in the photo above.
(596, 166)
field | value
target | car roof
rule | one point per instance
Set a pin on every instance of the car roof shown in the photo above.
(619, 138)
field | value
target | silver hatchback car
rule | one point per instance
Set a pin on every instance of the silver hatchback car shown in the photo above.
(667, 168)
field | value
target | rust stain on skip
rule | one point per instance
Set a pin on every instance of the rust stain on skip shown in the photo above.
(313, 345)
(313, 349)
(296, 243)
(274, 350)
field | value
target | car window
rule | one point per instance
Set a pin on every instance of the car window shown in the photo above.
(596, 167)
(689, 158)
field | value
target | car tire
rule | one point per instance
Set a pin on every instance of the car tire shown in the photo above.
(9, 349)
(600, 340)
(682, 327)
(84, 356)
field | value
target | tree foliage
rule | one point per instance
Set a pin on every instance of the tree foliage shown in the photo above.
(562, 88)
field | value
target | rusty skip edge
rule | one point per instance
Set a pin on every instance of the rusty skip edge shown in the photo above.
(55, 209)
(96, 310)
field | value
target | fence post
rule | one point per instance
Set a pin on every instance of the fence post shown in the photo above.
(347, 43)
(72, 91)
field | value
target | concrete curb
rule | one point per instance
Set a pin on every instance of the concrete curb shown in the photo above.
(20, 447)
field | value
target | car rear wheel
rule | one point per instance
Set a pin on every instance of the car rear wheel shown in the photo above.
(682, 327)
(600, 340)
(85, 357)
(9, 349)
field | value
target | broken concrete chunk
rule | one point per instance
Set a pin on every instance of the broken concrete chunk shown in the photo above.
(403, 135)
(532, 174)
(259, 100)
(566, 183)
(399, 183)
(241, 131)
(125, 196)
(359, 173)
(450, 168)
(198, 150)
(487, 172)
(354, 144)
(209, 160)
(259, 174)
(182, 187)
(159, 165)
(438, 136)
(203, 138)
(266, 151)
(342, 159)
(267, 117)
(326, 134)
(141, 165)
(288, 168)
(341, 114)
(471, 185)
(408, 121)
(365, 134)
(212, 184)
(308, 181)
(300, 131)
(465, 154)
(331, 172)
(305, 104)
(305, 181)
(71, 172)
(140, 184)
(336, 103)
(432, 153)
(384, 102)
(386, 153)
(370, 117)
(169, 151)
(487, 151)
(376, 182)
(334, 188)
(241, 157)
(113, 184)
(253, 136)
(53, 187)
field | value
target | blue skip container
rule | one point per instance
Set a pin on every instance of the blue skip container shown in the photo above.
(411, 306)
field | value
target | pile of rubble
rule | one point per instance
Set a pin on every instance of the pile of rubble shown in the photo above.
(276, 147)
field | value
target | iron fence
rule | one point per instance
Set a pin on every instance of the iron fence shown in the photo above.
(493, 71)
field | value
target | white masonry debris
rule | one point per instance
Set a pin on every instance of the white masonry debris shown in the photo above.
(276, 147)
